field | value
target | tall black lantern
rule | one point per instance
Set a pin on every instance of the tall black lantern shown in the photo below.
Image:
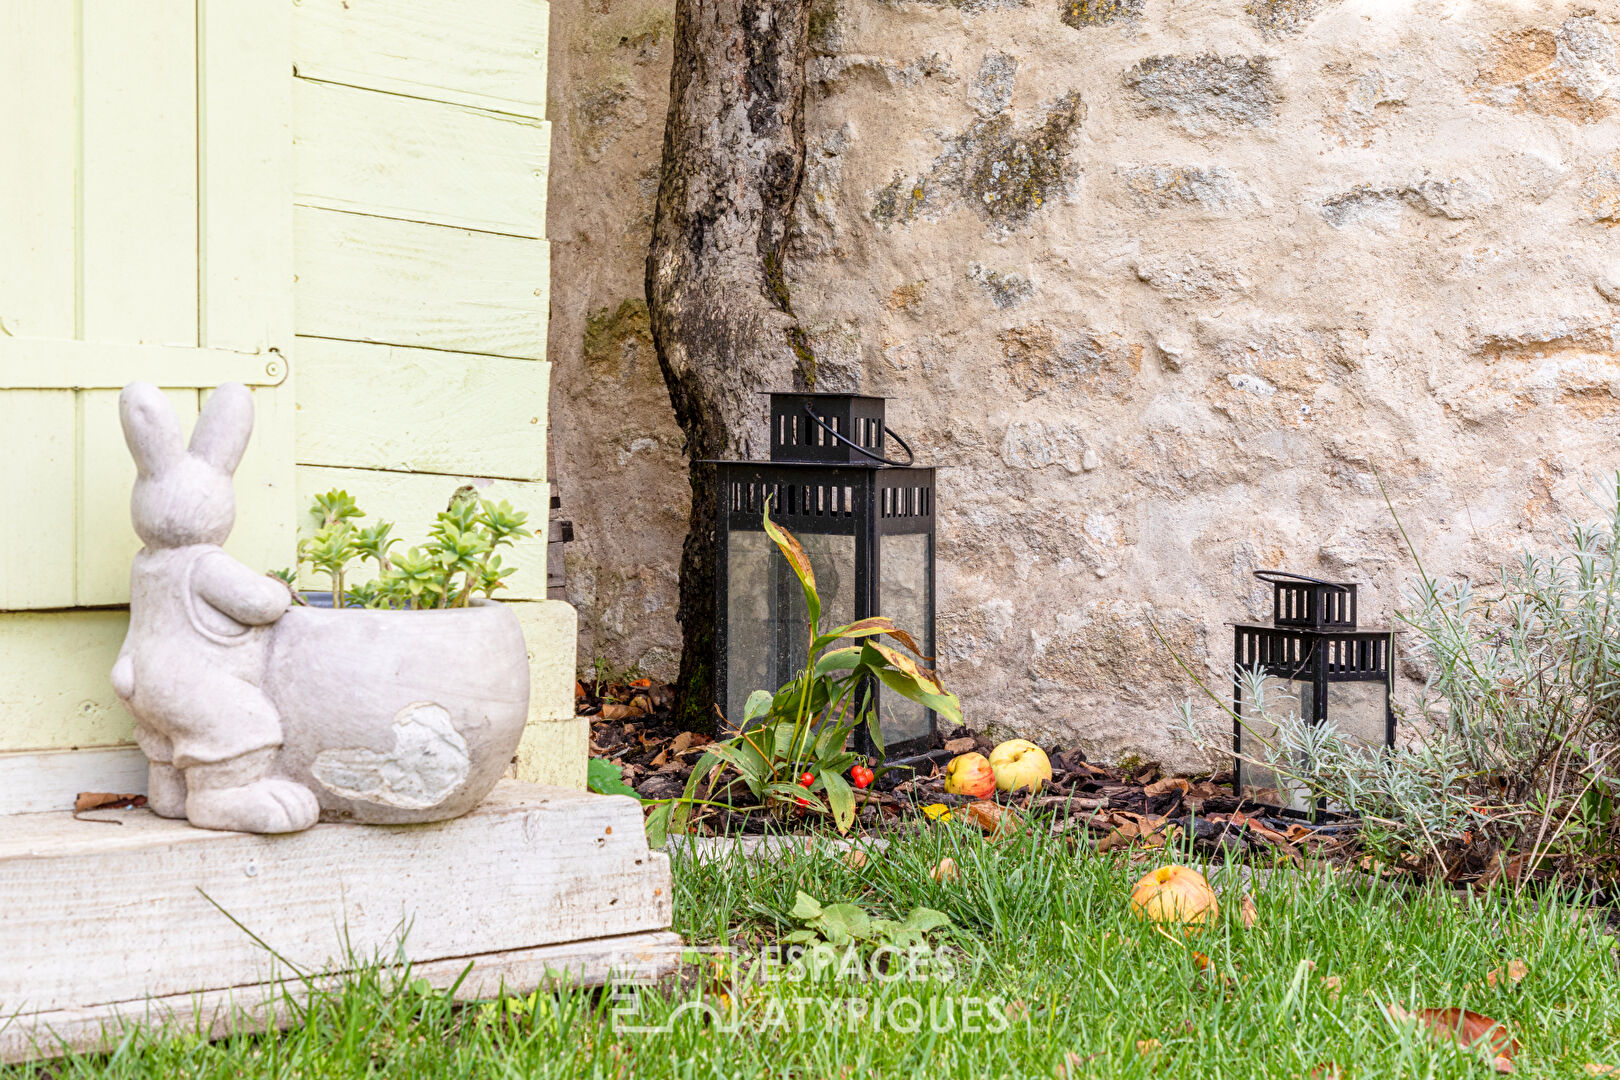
(867, 524)
(1312, 654)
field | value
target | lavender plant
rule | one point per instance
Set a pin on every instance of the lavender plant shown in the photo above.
(1518, 721)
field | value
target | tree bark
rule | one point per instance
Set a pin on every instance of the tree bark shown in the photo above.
(722, 323)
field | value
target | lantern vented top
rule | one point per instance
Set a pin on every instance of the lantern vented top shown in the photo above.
(1310, 603)
(831, 429)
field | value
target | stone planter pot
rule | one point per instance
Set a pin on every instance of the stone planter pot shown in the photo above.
(392, 717)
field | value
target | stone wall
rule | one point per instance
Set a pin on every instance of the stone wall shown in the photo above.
(1160, 284)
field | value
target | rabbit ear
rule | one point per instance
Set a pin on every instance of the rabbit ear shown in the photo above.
(223, 426)
(150, 428)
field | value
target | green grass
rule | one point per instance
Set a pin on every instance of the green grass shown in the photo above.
(1035, 924)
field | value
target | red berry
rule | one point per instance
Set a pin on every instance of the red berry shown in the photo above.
(860, 776)
(806, 779)
(801, 803)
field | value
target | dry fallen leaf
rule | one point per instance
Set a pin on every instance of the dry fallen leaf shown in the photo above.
(1166, 786)
(1333, 985)
(680, 744)
(1466, 1029)
(856, 860)
(945, 872)
(621, 712)
(1016, 1009)
(1069, 1067)
(1248, 912)
(1328, 1070)
(959, 746)
(1593, 1069)
(996, 820)
(102, 800)
(1200, 961)
(1147, 1046)
(579, 691)
(1513, 973)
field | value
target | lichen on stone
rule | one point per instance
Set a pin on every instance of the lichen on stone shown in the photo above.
(1204, 93)
(991, 90)
(1082, 13)
(1007, 288)
(1008, 172)
(1279, 17)
(614, 335)
(1163, 187)
(899, 201)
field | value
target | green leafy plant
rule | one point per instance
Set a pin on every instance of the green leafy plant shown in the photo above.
(790, 752)
(606, 778)
(840, 925)
(458, 561)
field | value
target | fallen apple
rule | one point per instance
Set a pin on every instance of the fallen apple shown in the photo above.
(1175, 894)
(1019, 763)
(971, 775)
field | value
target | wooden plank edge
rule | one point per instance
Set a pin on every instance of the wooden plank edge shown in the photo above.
(258, 1007)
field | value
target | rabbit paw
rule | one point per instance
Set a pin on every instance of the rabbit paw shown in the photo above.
(264, 806)
(165, 790)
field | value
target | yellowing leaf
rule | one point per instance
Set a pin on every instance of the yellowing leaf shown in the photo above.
(938, 811)
(1466, 1028)
(904, 663)
(996, 820)
(1515, 971)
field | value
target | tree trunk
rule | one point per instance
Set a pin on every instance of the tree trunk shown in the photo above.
(721, 320)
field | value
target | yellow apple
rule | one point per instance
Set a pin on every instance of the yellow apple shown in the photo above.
(969, 774)
(1019, 763)
(1175, 894)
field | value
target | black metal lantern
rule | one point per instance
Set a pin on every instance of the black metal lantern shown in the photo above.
(865, 521)
(1314, 655)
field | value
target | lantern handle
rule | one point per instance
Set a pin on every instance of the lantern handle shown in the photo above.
(1278, 577)
(910, 457)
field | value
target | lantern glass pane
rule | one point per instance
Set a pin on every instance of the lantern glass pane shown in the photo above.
(750, 656)
(767, 637)
(1283, 698)
(833, 560)
(904, 597)
(1356, 710)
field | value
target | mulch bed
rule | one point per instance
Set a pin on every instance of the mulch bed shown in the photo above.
(631, 725)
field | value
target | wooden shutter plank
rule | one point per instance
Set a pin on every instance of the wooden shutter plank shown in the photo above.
(490, 53)
(246, 206)
(421, 160)
(36, 539)
(107, 540)
(246, 263)
(421, 410)
(140, 171)
(55, 691)
(39, 70)
(363, 278)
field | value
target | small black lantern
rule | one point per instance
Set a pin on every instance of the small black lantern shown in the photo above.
(1314, 654)
(865, 521)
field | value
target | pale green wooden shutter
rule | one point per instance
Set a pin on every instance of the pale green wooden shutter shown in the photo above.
(145, 233)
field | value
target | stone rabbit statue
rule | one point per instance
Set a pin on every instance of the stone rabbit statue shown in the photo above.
(192, 667)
